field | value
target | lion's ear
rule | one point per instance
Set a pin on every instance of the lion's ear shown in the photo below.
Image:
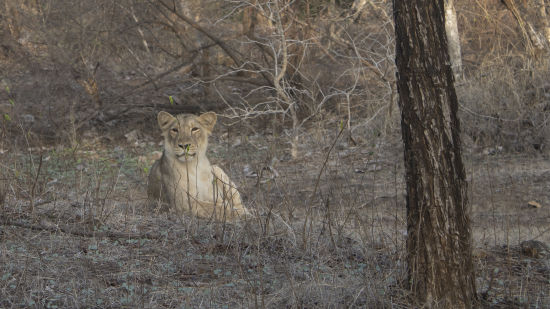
(208, 120)
(165, 120)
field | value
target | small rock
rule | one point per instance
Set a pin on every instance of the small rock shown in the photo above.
(492, 151)
(132, 136)
(28, 118)
(249, 172)
(237, 142)
(374, 168)
(534, 204)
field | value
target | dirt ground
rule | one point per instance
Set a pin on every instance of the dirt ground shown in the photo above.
(329, 231)
(81, 83)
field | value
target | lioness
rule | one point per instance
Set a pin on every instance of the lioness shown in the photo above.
(183, 176)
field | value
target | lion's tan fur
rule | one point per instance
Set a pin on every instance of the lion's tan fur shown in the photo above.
(184, 178)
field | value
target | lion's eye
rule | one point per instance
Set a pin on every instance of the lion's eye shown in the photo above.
(175, 130)
(195, 129)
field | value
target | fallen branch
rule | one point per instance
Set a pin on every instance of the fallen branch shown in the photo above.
(78, 230)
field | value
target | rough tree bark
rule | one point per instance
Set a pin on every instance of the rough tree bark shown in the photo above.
(439, 257)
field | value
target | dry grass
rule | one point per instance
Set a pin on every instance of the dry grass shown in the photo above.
(93, 242)
(75, 228)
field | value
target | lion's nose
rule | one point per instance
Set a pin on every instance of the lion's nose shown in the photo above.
(186, 146)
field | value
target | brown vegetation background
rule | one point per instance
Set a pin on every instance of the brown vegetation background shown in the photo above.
(309, 130)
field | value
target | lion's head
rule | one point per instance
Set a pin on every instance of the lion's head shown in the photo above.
(186, 135)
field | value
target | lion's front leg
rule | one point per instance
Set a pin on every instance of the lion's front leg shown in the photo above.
(227, 197)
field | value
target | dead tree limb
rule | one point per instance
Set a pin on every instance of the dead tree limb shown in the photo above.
(78, 230)
(533, 43)
(229, 51)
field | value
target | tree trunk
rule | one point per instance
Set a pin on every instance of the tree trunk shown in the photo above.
(451, 29)
(532, 39)
(439, 257)
(545, 21)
